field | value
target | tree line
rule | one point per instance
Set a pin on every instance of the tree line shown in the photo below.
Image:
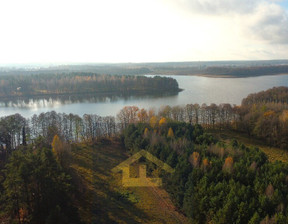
(262, 115)
(247, 71)
(228, 69)
(266, 120)
(16, 130)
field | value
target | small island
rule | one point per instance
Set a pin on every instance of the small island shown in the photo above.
(55, 84)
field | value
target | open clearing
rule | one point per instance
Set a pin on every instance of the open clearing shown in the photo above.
(272, 152)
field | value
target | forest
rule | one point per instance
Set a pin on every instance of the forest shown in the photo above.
(81, 83)
(212, 177)
(246, 71)
(214, 181)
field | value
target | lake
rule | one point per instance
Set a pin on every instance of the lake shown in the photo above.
(196, 90)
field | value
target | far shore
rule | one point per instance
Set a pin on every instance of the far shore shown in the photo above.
(234, 76)
(219, 75)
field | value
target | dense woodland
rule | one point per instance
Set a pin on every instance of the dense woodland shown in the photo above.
(36, 188)
(80, 83)
(265, 116)
(211, 179)
(214, 182)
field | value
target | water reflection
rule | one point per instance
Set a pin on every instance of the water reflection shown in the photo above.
(55, 101)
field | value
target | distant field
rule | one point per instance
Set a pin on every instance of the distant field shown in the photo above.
(227, 69)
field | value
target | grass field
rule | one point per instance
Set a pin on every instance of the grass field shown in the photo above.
(272, 152)
(102, 198)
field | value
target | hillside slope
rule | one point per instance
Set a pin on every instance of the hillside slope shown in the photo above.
(102, 199)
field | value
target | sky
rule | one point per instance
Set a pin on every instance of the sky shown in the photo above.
(111, 31)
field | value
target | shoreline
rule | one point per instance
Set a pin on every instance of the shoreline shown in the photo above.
(234, 76)
(217, 76)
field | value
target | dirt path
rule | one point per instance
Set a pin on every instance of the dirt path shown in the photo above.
(167, 205)
(157, 204)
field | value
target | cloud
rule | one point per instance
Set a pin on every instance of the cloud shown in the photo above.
(216, 7)
(263, 20)
(269, 22)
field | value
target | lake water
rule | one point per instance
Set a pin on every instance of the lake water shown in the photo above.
(196, 90)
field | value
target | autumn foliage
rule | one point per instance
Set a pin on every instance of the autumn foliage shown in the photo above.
(284, 116)
(61, 150)
(228, 165)
(162, 121)
(194, 159)
(56, 146)
(153, 121)
(170, 133)
(205, 164)
(142, 116)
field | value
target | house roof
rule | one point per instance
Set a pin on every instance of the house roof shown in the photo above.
(137, 156)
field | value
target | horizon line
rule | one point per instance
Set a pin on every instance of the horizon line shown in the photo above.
(113, 63)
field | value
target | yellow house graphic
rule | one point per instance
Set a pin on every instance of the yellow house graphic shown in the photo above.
(142, 180)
